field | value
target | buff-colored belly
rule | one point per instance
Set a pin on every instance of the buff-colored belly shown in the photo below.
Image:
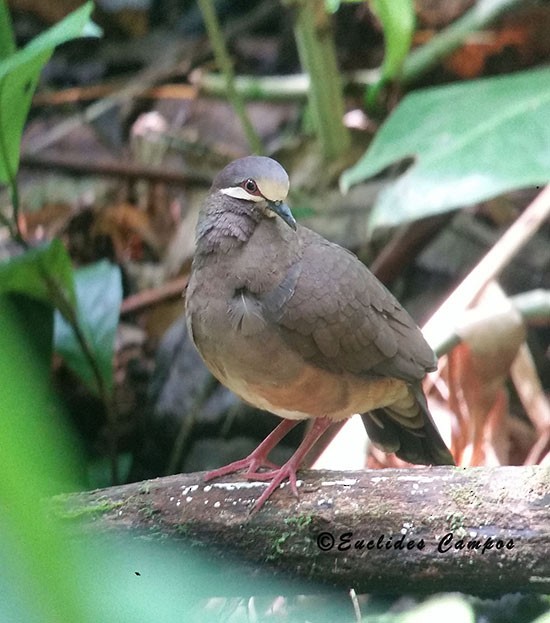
(317, 393)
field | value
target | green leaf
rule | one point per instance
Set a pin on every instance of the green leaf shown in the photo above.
(36, 461)
(46, 274)
(32, 273)
(7, 41)
(99, 294)
(397, 18)
(469, 142)
(35, 318)
(19, 74)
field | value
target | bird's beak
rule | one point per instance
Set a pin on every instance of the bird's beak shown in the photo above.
(281, 209)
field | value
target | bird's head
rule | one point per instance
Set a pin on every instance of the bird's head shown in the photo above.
(259, 180)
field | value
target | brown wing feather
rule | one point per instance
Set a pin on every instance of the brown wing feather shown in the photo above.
(349, 322)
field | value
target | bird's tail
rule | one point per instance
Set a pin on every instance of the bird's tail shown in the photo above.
(408, 430)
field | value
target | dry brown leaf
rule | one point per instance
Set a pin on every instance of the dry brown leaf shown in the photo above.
(522, 36)
(477, 370)
(530, 390)
(45, 223)
(437, 14)
(128, 228)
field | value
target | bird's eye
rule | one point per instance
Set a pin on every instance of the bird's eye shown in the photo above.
(251, 187)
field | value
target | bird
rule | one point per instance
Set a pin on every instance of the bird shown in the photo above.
(298, 326)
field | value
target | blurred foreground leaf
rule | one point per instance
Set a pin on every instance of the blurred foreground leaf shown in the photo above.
(469, 142)
(35, 461)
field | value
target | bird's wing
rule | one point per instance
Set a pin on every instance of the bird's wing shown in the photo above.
(332, 310)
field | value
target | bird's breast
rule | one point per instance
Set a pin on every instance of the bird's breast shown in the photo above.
(249, 356)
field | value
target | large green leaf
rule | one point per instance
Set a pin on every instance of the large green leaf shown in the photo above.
(33, 272)
(469, 142)
(18, 77)
(99, 294)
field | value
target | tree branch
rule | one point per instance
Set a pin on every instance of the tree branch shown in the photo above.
(392, 530)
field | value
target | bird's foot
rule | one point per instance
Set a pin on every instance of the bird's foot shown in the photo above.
(251, 463)
(258, 458)
(277, 477)
(288, 470)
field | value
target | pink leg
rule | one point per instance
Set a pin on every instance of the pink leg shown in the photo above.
(258, 458)
(288, 470)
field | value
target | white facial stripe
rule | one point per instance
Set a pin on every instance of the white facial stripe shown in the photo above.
(240, 193)
(272, 190)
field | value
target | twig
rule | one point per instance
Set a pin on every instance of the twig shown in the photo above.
(4, 220)
(356, 606)
(224, 61)
(148, 298)
(77, 166)
(273, 88)
(540, 450)
(76, 95)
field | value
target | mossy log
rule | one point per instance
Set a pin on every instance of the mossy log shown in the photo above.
(477, 530)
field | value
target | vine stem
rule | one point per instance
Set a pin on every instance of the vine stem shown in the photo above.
(317, 53)
(226, 65)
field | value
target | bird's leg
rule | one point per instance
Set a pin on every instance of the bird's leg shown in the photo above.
(288, 470)
(258, 457)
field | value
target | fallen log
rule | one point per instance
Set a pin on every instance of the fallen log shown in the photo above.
(477, 530)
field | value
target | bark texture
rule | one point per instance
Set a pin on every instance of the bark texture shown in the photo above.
(477, 530)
